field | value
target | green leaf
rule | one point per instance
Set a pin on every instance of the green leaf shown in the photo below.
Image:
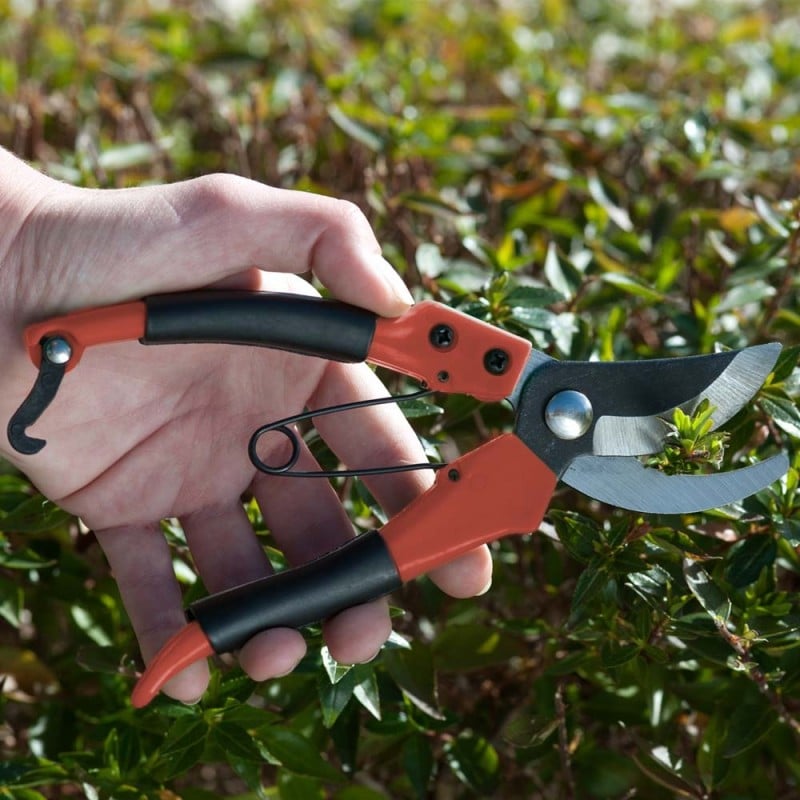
(768, 215)
(292, 786)
(355, 129)
(786, 363)
(752, 292)
(474, 761)
(297, 754)
(561, 274)
(712, 765)
(334, 670)
(413, 671)
(615, 655)
(533, 297)
(12, 602)
(748, 557)
(749, 723)
(234, 741)
(108, 660)
(631, 286)
(89, 624)
(783, 411)
(429, 260)
(577, 533)
(708, 594)
(465, 647)
(356, 793)
(35, 515)
(418, 763)
(591, 582)
(654, 763)
(417, 409)
(183, 746)
(536, 318)
(366, 690)
(619, 216)
(127, 156)
(652, 586)
(334, 697)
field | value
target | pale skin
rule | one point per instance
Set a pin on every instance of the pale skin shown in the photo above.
(138, 434)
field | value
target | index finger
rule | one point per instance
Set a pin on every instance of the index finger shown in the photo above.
(201, 231)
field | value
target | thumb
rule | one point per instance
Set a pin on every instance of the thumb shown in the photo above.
(202, 231)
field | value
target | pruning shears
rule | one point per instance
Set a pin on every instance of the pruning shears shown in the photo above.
(584, 423)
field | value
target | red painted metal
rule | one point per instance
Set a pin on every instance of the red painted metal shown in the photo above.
(404, 345)
(500, 488)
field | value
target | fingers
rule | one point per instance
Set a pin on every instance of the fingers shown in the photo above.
(141, 563)
(308, 520)
(382, 436)
(227, 554)
(224, 549)
(199, 232)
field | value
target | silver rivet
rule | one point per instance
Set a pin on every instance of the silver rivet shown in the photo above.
(569, 414)
(57, 350)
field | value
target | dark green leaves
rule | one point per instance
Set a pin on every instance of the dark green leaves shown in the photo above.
(608, 181)
(475, 762)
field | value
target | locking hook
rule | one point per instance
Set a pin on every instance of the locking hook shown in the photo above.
(56, 355)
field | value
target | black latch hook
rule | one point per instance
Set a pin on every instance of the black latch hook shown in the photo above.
(56, 354)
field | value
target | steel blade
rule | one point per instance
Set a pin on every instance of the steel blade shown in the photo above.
(727, 393)
(625, 482)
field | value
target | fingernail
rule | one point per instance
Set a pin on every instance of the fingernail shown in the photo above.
(393, 280)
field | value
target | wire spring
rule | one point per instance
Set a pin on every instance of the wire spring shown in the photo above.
(283, 426)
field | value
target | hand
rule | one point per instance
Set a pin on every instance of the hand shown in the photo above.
(139, 434)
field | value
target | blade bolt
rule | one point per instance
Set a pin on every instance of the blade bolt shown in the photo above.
(496, 361)
(57, 350)
(442, 336)
(569, 414)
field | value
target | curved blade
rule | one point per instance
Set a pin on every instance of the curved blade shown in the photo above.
(625, 482)
(727, 393)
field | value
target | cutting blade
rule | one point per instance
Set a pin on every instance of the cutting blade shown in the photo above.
(627, 404)
(727, 394)
(625, 482)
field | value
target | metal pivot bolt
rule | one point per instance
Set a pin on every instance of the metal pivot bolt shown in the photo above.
(568, 414)
(57, 350)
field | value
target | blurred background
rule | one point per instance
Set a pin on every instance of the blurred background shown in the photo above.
(613, 180)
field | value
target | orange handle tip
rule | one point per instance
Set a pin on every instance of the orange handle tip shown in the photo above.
(188, 645)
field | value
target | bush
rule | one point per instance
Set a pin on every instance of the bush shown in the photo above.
(615, 181)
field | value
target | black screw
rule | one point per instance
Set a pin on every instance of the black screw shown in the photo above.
(496, 361)
(442, 336)
(443, 376)
(453, 474)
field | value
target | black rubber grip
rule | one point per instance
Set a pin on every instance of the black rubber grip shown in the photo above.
(307, 325)
(357, 572)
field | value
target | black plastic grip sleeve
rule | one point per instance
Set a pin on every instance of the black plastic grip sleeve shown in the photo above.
(357, 572)
(306, 325)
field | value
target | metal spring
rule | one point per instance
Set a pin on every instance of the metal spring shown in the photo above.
(282, 426)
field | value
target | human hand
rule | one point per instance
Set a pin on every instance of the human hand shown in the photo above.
(142, 434)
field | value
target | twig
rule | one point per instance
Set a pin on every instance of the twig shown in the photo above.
(563, 741)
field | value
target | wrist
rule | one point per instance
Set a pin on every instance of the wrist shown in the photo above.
(21, 191)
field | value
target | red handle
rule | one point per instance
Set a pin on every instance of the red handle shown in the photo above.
(82, 329)
(482, 496)
(451, 351)
(500, 488)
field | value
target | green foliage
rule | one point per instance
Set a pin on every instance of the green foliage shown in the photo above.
(615, 181)
(690, 443)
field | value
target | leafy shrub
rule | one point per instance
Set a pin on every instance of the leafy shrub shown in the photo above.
(615, 181)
